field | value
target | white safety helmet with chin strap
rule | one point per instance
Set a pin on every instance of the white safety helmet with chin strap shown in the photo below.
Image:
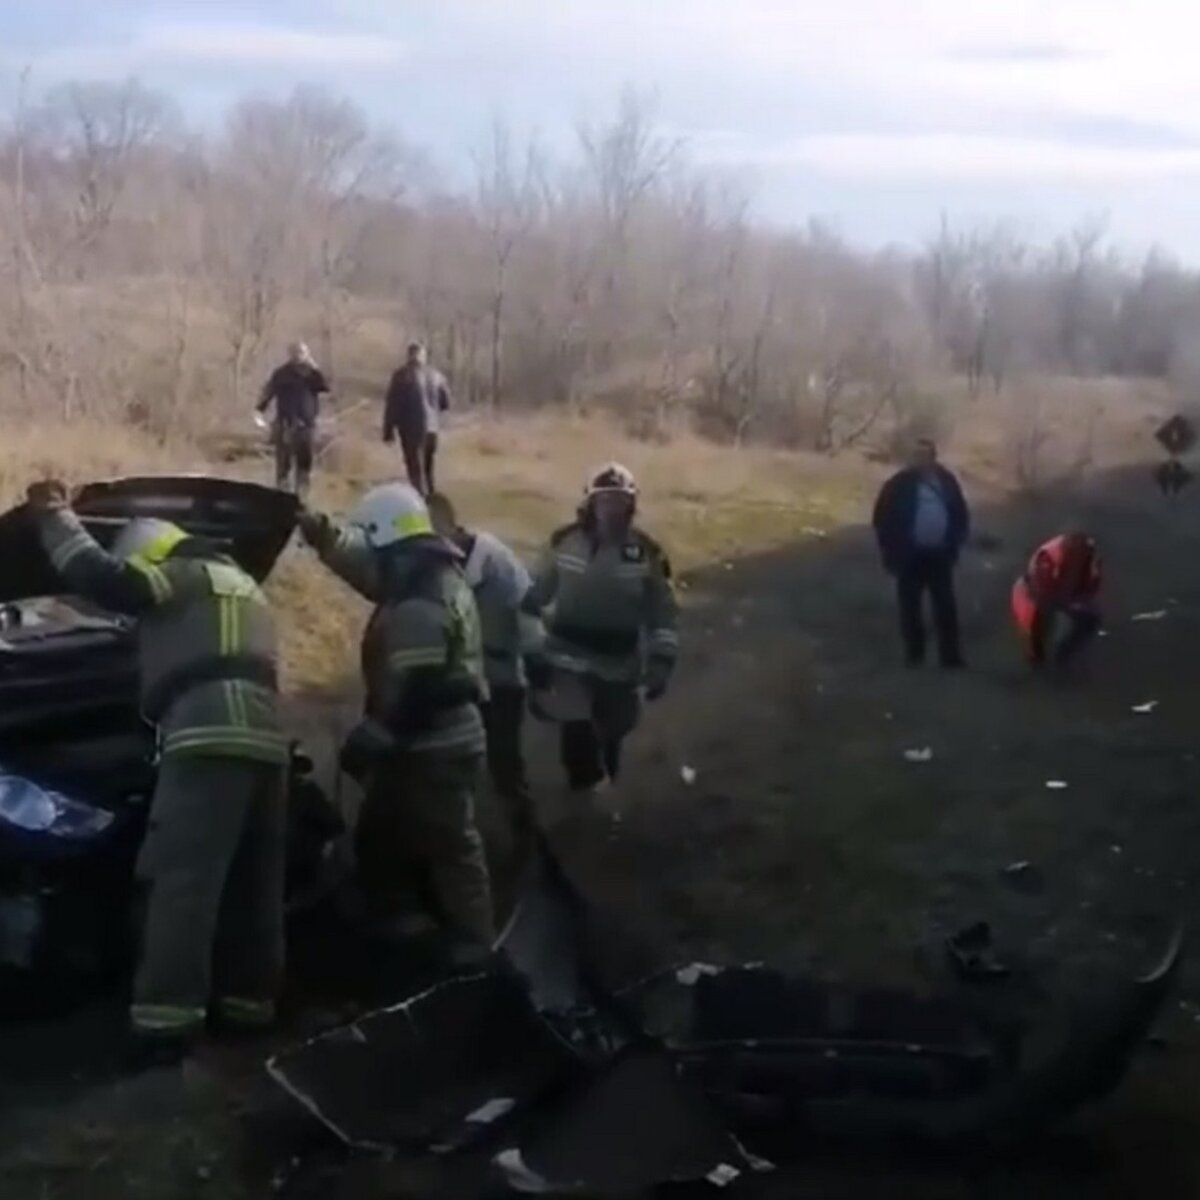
(391, 513)
(613, 477)
(147, 538)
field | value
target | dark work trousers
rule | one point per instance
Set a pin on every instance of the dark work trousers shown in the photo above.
(504, 718)
(420, 452)
(591, 750)
(416, 838)
(293, 451)
(1084, 625)
(931, 572)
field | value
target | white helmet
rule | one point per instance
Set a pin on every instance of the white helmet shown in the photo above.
(147, 538)
(391, 513)
(612, 477)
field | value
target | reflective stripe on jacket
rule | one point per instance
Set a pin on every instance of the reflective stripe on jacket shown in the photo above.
(206, 641)
(422, 650)
(609, 608)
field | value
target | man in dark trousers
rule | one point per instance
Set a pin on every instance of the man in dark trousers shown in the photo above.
(295, 389)
(922, 521)
(416, 397)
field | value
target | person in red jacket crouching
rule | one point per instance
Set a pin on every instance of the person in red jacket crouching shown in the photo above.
(1062, 581)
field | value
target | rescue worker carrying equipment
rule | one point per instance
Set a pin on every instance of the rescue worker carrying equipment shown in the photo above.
(295, 388)
(611, 628)
(1062, 580)
(500, 582)
(214, 856)
(418, 751)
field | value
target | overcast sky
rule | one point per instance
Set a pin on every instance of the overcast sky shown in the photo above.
(876, 114)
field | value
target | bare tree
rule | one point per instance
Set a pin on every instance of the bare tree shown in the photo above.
(624, 160)
(508, 198)
(98, 132)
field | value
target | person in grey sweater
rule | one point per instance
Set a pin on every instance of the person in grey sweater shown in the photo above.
(416, 397)
(499, 581)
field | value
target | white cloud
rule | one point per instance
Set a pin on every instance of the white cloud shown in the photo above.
(239, 46)
(1110, 59)
(248, 44)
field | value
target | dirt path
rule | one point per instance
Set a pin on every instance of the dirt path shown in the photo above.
(808, 839)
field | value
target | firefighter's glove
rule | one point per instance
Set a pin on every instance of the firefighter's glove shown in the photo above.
(46, 495)
(658, 677)
(367, 746)
(315, 528)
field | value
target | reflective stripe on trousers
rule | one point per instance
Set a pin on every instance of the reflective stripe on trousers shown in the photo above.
(165, 1020)
(240, 1010)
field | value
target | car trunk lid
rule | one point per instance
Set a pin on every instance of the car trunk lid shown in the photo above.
(250, 522)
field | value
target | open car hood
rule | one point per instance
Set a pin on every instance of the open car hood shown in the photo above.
(251, 522)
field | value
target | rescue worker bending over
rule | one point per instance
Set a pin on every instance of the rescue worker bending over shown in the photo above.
(500, 583)
(295, 388)
(612, 627)
(418, 751)
(1062, 580)
(214, 855)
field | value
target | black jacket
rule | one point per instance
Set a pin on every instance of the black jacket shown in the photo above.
(295, 388)
(415, 398)
(896, 510)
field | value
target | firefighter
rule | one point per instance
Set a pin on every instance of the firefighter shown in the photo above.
(418, 750)
(500, 582)
(612, 630)
(214, 855)
(295, 388)
(1062, 581)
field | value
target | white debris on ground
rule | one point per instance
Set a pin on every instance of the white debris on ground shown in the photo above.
(925, 754)
(1145, 709)
(691, 975)
(1056, 785)
(1157, 615)
(688, 775)
(493, 1110)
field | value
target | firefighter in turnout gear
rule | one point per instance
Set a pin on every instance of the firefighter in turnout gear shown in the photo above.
(419, 749)
(214, 854)
(611, 629)
(500, 583)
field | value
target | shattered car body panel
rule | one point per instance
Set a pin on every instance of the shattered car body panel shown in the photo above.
(70, 723)
(655, 1081)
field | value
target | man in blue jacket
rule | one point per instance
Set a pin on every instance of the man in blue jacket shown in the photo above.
(921, 522)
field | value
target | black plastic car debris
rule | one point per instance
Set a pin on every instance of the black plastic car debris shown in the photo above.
(432, 1073)
(591, 1088)
(973, 954)
(635, 1127)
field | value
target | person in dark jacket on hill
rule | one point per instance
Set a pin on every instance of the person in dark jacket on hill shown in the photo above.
(416, 397)
(922, 522)
(295, 388)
